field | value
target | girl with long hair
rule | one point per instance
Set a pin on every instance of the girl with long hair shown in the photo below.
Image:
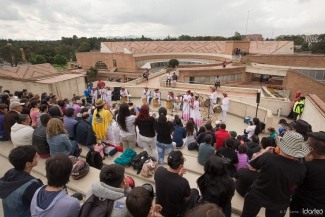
(147, 135)
(190, 133)
(101, 119)
(58, 139)
(216, 185)
(251, 130)
(126, 120)
(164, 130)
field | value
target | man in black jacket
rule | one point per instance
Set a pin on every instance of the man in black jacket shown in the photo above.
(39, 137)
(84, 132)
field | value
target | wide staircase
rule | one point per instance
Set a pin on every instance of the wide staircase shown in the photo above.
(194, 170)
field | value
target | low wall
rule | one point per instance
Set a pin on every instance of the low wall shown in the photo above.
(314, 112)
(153, 75)
(197, 72)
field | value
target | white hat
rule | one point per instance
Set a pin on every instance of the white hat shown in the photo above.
(79, 102)
(293, 144)
(218, 122)
(15, 103)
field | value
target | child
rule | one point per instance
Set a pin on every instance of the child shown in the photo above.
(271, 131)
(239, 137)
(242, 157)
(205, 150)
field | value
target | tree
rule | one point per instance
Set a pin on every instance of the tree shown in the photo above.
(92, 72)
(173, 63)
(11, 54)
(60, 60)
(237, 36)
(39, 59)
(84, 47)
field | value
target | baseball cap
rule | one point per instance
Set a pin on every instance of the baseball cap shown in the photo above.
(15, 103)
(232, 133)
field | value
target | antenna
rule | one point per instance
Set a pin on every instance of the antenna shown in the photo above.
(247, 22)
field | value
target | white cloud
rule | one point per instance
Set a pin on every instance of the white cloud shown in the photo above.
(39, 19)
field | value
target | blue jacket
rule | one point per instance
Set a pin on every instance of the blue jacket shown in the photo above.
(84, 134)
(59, 144)
(179, 135)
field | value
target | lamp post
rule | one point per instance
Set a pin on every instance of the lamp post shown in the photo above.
(258, 99)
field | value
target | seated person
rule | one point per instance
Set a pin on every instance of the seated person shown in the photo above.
(205, 150)
(118, 79)
(244, 178)
(21, 131)
(39, 137)
(84, 132)
(113, 185)
(228, 156)
(200, 137)
(253, 146)
(179, 134)
(52, 200)
(265, 142)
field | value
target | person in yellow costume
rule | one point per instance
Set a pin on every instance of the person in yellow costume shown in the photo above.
(101, 119)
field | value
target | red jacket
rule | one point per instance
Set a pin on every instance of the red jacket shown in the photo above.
(221, 135)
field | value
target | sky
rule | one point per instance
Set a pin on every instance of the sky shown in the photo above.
(51, 20)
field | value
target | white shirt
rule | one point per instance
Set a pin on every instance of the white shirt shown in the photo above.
(147, 93)
(108, 93)
(156, 95)
(250, 130)
(225, 104)
(169, 77)
(217, 80)
(169, 97)
(125, 92)
(129, 122)
(213, 97)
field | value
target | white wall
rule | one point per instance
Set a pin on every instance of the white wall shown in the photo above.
(313, 116)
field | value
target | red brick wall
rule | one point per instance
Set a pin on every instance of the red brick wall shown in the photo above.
(209, 72)
(231, 45)
(288, 60)
(295, 81)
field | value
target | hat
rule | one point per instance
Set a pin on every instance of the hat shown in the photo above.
(15, 103)
(218, 122)
(298, 93)
(170, 92)
(282, 121)
(301, 126)
(318, 135)
(224, 93)
(212, 88)
(146, 87)
(99, 102)
(293, 144)
(156, 89)
(122, 87)
(79, 101)
(232, 133)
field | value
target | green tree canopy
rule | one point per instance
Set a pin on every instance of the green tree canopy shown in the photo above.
(173, 63)
(84, 47)
(92, 72)
(60, 60)
(39, 59)
(11, 54)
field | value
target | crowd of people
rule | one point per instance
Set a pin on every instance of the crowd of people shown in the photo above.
(277, 171)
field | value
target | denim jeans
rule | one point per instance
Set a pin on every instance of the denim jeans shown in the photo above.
(75, 149)
(161, 151)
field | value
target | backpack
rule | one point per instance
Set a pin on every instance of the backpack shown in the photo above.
(138, 161)
(96, 207)
(148, 168)
(94, 159)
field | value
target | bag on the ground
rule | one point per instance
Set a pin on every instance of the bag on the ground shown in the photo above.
(126, 157)
(148, 168)
(94, 159)
(95, 207)
(138, 161)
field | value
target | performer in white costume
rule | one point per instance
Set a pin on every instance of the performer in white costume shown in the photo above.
(177, 102)
(192, 105)
(196, 115)
(156, 94)
(146, 93)
(186, 105)
(94, 95)
(224, 106)
(108, 98)
(124, 91)
(102, 92)
(213, 99)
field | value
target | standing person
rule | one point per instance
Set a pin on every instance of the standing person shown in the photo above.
(63, 108)
(310, 195)
(261, 78)
(186, 105)
(224, 63)
(34, 112)
(21, 132)
(168, 79)
(190, 134)
(164, 130)
(216, 186)
(228, 156)
(90, 84)
(70, 122)
(101, 120)
(58, 140)
(3, 111)
(156, 94)
(179, 134)
(278, 174)
(217, 82)
(243, 52)
(126, 121)
(205, 150)
(147, 94)
(108, 96)
(94, 95)
(170, 98)
(145, 123)
(175, 198)
(102, 93)
(178, 102)
(17, 185)
(298, 93)
(213, 99)
(298, 108)
(233, 135)
(52, 200)
(146, 74)
(174, 79)
(224, 106)
(9, 118)
(196, 112)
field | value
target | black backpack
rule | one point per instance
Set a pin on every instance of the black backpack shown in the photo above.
(94, 159)
(95, 207)
(138, 161)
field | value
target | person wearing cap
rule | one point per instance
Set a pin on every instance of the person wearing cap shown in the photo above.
(147, 94)
(298, 107)
(108, 96)
(284, 127)
(298, 93)
(186, 105)
(9, 118)
(77, 107)
(221, 135)
(213, 99)
(224, 106)
(101, 119)
(278, 175)
(310, 195)
(217, 126)
(302, 127)
(157, 94)
(233, 136)
(174, 79)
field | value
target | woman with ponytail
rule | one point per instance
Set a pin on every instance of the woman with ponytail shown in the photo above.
(164, 130)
